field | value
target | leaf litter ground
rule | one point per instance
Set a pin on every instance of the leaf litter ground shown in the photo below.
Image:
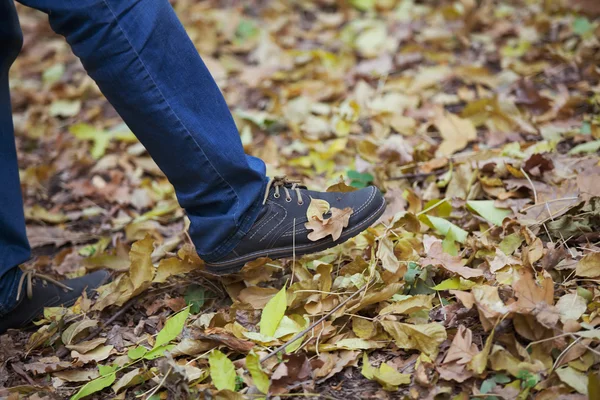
(478, 120)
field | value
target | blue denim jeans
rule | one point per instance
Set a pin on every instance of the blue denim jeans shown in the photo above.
(140, 56)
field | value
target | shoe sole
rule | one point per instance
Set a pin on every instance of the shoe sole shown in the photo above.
(236, 264)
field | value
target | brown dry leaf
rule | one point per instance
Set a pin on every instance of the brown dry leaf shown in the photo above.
(334, 362)
(47, 365)
(456, 132)
(489, 305)
(100, 353)
(257, 297)
(86, 346)
(77, 375)
(531, 293)
(462, 349)
(224, 337)
(331, 226)
(436, 256)
(294, 370)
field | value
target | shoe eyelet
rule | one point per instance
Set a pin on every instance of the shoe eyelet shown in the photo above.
(277, 195)
(300, 203)
(288, 199)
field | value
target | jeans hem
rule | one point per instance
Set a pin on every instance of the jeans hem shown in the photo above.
(246, 223)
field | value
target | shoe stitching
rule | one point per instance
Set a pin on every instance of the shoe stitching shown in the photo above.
(301, 247)
(279, 223)
(263, 223)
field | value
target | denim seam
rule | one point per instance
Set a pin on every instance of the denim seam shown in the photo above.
(237, 201)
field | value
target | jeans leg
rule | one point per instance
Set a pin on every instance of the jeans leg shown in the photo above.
(140, 56)
(14, 247)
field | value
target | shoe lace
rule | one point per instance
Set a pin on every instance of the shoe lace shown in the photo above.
(27, 281)
(287, 185)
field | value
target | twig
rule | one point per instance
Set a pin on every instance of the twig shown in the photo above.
(154, 390)
(548, 202)
(535, 196)
(323, 318)
(417, 175)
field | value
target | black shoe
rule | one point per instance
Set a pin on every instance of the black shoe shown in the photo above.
(272, 233)
(44, 292)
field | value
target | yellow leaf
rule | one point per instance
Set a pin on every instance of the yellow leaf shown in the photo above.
(409, 305)
(426, 337)
(456, 132)
(141, 272)
(273, 313)
(385, 375)
(172, 266)
(385, 252)
(261, 380)
(479, 361)
(222, 371)
(589, 266)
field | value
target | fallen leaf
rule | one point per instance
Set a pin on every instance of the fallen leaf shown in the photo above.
(222, 371)
(273, 313)
(385, 375)
(332, 226)
(437, 257)
(571, 307)
(426, 337)
(456, 132)
(589, 266)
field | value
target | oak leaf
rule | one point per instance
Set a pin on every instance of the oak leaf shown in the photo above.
(331, 226)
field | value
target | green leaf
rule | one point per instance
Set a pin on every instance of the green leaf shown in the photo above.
(261, 380)
(449, 244)
(222, 371)
(582, 26)
(194, 297)
(64, 108)
(529, 379)
(489, 211)
(158, 352)
(487, 386)
(510, 243)
(585, 148)
(443, 227)
(359, 180)
(363, 5)
(137, 352)
(100, 138)
(107, 378)
(273, 313)
(173, 327)
(53, 74)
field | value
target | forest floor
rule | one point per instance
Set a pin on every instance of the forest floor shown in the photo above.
(478, 120)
